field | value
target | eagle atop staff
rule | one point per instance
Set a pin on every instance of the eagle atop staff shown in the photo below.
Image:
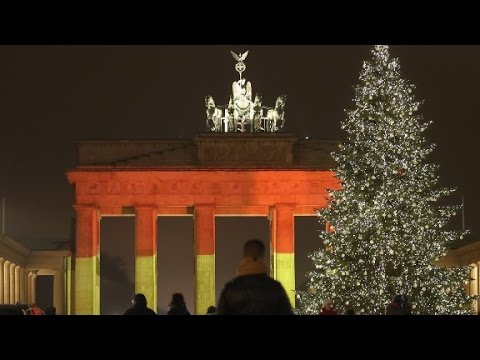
(240, 65)
(240, 57)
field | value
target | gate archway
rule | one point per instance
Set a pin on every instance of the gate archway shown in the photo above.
(269, 175)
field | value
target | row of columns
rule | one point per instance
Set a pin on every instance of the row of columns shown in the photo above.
(87, 262)
(16, 283)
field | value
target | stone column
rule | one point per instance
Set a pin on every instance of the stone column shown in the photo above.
(204, 233)
(2, 280)
(29, 287)
(6, 282)
(12, 283)
(87, 261)
(27, 282)
(67, 285)
(146, 253)
(477, 301)
(58, 292)
(282, 247)
(33, 289)
(17, 284)
(22, 285)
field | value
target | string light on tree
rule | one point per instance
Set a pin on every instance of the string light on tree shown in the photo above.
(385, 230)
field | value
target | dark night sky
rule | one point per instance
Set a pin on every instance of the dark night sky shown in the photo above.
(51, 96)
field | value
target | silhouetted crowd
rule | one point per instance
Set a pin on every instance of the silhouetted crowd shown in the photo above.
(253, 292)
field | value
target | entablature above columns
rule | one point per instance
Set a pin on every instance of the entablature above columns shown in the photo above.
(220, 211)
(185, 188)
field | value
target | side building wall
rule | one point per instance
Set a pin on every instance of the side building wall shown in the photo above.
(468, 255)
(19, 268)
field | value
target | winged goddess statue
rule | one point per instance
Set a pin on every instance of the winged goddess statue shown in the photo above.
(242, 114)
(240, 65)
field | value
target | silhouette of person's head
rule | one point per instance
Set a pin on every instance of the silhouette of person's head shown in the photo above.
(177, 299)
(254, 248)
(211, 310)
(399, 299)
(140, 299)
(327, 303)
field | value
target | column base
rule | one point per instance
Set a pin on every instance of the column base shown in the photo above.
(204, 283)
(285, 273)
(146, 279)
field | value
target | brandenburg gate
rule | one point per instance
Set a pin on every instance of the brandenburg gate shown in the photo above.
(242, 167)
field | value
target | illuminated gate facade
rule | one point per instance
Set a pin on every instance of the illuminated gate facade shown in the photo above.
(216, 174)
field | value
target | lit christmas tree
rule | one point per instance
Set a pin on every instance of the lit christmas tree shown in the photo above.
(386, 230)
